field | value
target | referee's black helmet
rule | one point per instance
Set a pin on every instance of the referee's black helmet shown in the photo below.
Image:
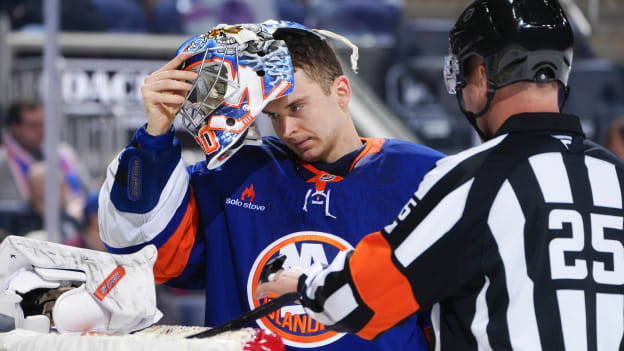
(518, 40)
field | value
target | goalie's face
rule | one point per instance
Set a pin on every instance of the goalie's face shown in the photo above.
(311, 122)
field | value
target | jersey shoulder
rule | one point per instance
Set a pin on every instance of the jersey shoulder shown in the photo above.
(272, 152)
(401, 147)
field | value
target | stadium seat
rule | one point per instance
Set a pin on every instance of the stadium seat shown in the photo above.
(357, 17)
(165, 18)
(415, 90)
(596, 93)
(122, 15)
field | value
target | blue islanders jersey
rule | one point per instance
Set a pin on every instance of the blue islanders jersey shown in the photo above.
(216, 229)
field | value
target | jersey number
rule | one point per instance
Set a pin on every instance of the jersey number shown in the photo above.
(608, 306)
(578, 269)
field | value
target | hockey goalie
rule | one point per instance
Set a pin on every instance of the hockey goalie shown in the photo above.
(57, 297)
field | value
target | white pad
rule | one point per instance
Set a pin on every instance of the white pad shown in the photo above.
(122, 284)
(77, 311)
(39, 324)
(61, 274)
(160, 339)
(24, 281)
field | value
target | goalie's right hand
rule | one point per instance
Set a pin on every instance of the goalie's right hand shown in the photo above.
(163, 93)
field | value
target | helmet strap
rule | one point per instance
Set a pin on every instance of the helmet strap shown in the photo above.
(566, 94)
(471, 116)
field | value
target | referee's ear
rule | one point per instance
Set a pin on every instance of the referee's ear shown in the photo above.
(475, 75)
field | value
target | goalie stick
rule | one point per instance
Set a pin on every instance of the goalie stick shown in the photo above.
(270, 268)
(250, 316)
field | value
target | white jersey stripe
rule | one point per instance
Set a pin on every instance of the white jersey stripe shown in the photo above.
(122, 229)
(481, 319)
(610, 327)
(340, 304)
(435, 323)
(336, 307)
(573, 319)
(447, 164)
(317, 275)
(506, 222)
(439, 221)
(603, 179)
(552, 177)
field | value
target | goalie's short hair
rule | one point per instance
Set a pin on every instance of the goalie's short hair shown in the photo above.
(314, 56)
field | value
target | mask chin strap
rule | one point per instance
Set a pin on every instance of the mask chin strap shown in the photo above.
(471, 116)
(566, 94)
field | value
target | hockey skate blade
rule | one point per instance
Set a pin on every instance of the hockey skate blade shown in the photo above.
(250, 316)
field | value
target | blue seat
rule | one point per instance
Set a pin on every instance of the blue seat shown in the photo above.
(350, 17)
(165, 18)
(289, 10)
(596, 93)
(423, 37)
(124, 16)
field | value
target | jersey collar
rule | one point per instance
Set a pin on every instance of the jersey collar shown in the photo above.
(346, 163)
(546, 122)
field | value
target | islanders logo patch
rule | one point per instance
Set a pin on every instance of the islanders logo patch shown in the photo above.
(302, 249)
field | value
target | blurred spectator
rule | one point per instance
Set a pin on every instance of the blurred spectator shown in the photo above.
(76, 15)
(31, 218)
(614, 137)
(22, 146)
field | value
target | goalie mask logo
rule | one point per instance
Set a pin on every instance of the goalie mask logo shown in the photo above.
(302, 249)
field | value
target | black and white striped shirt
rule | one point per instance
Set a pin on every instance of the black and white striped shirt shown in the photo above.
(514, 244)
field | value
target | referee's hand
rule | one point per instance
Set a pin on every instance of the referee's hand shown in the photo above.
(284, 281)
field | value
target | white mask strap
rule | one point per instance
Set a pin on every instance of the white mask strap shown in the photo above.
(354, 49)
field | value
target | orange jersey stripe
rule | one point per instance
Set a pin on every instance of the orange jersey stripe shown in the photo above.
(428, 331)
(373, 145)
(174, 254)
(381, 285)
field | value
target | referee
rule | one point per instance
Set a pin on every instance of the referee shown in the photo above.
(516, 244)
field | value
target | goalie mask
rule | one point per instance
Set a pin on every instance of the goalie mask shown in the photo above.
(240, 70)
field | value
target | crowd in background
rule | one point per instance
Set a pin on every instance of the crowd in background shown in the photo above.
(22, 170)
(193, 16)
(22, 175)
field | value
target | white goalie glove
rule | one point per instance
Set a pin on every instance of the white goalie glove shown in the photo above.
(76, 290)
